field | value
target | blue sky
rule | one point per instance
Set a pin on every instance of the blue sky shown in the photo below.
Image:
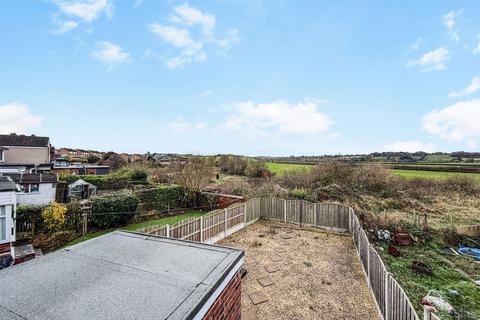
(239, 76)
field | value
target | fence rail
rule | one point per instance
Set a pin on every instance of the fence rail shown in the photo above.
(391, 300)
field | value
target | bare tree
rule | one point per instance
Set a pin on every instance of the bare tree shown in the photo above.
(194, 175)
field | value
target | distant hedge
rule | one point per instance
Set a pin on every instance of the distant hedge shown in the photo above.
(123, 203)
(117, 180)
(161, 198)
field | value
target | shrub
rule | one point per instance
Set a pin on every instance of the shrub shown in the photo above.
(52, 241)
(232, 164)
(374, 178)
(54, 216)
(119, 207)
(30, 214)
(161, 198)
(302, 194)
(256, 169)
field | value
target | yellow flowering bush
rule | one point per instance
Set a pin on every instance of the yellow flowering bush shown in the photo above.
(54, 216)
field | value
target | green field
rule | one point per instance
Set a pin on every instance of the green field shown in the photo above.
(432, 174)
(280, 169)
(137, 226)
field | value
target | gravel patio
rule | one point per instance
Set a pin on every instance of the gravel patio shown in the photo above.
(301, 274)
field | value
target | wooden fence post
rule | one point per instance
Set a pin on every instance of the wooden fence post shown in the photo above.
(253, 207)
(167, 231)
(201, 229)
(245, 213)
(285, 211)
(314, 214)
(225, 222)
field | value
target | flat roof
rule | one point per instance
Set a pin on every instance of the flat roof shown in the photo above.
(120, 275)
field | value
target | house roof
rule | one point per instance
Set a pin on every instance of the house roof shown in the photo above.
(120, 275)
(6, 184)
(33, 177)
(14, 140)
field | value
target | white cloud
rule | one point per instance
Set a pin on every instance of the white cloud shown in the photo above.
(88, 10)
(280, 116)
(180, 38)
(190, 32)
(410, 146)
(476, 50)
(64, 26)
(232, 37)
(458, 122)
(182, 126)
(110, 54)
(191, 16)
(177, 37)
(472, 88)
(432, 61)
(16, 118)
(449, 21)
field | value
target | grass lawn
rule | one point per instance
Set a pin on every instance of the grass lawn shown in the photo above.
(136, 226)
(449, 272)
(432, 174)
(280, 169)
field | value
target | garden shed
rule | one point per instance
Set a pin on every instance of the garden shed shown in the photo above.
(124, 275)
(81, 189)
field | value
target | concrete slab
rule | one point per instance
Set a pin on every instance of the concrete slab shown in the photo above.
(275, 258)
(280, 249)
(265, 281)
(287, 235)
(271, 268)
(258, 297)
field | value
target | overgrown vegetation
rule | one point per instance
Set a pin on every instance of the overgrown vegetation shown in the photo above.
(242, 166)
(113, 210)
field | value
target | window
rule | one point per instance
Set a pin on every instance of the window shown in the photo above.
(34, 187)
(1, 156)
(25, 188)
(3, 223)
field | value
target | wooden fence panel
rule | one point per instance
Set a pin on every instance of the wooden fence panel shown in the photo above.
(186, 230)
(293, 214)
(308, 212)
(377, 278)
(235, 215)
(213, 224)
(251, 214)
(398, 305)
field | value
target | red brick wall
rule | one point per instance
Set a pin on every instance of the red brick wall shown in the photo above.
(228, 305)
(226, 200)
(4, 248)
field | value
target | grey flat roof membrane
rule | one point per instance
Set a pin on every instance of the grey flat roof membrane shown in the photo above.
(120, 275)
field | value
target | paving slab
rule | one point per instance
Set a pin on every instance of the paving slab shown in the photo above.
(288, 230)
(282, 242)
(287, 235)
(271, 268)
(258, 297)
(280, 249)
(265, 281)
(275, 258)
